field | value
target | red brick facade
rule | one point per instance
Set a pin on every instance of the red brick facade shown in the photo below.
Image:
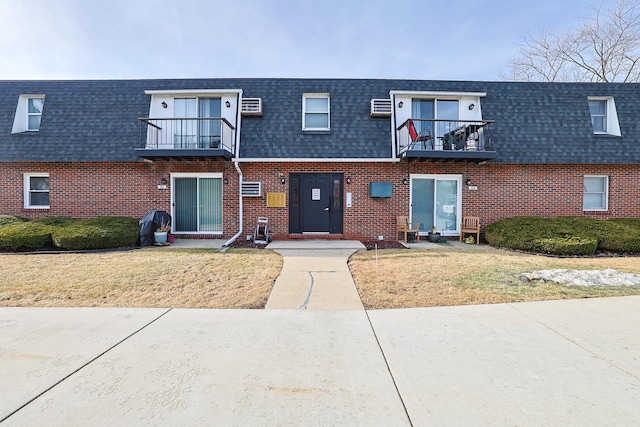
(503, 190)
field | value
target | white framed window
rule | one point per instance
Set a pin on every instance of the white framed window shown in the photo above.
(604, 117)
(596, 193)
(316, 111)
(28, 114)
(36, 191)
(598, 111)
(34, 113)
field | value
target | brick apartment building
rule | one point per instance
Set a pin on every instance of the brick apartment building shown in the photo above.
(321, 158)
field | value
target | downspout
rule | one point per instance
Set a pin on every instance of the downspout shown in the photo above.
(240, 222)
(235, 163)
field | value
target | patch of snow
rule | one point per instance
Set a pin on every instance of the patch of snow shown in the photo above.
(608, 277)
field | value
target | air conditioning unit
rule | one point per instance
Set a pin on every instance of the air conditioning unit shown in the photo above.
(380, 107)
(251, 189)
(251, 107)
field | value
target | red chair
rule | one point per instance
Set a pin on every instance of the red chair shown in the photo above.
(419, 137)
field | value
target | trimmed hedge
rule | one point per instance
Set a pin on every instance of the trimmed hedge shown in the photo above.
(98, 233)
(566, 235)
(25, 236)
(8, 219)
(70, 234)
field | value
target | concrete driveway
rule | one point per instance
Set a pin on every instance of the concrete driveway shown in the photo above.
(574, 362)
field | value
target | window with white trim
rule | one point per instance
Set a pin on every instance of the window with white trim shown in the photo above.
(598, 111)
(28, 114)
(316, 112)
(596, 193)
(34, 113)
(604, 117)
(36, 191)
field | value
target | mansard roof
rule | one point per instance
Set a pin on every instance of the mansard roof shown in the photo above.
(535, 123)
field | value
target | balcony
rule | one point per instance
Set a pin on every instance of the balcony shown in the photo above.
(187, 138)
(445, 140)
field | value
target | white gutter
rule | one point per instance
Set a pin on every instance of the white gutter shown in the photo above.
(235, 163)
(240, 222)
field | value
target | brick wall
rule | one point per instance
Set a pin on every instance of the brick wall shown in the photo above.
(503, 190)
(87, 190)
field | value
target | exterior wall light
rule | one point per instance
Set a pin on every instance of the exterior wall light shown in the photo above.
(468, 181)
(228, 104)
(163, 181)
(400, 104)
(472, 106)
(405, 181)
(164, 104)
(348, 180)
(283, 180)
(226, 180)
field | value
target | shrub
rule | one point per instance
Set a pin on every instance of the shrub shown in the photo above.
(97, 233)
(566, 235)
(568, 245)
(69, 233)
(8, 219)
(25, 236)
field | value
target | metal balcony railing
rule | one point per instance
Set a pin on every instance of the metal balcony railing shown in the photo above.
(214, 133)
(444, 135)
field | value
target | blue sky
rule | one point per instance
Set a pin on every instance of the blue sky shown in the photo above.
(413, 39)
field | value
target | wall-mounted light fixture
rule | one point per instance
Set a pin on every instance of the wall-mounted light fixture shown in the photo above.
(228, 104)
(468, 181)
(348, 180)
(283, 180)
(472, 106)
(226, 180)
(400, 104)
(405, 181)
(163, 181)
(164, 104)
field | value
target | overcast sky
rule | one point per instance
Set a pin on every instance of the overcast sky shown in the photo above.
(413, 39)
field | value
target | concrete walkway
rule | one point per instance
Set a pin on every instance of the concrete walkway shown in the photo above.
(315, 276)
(572, 362)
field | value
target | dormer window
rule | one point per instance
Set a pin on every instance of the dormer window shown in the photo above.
(28, 114)
(604, 117)
(34, 113)
(598, 110)
(315, 111)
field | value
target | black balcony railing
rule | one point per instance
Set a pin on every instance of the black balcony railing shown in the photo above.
(443, 135)
(189, 134)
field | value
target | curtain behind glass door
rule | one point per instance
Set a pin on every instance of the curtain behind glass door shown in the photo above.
(422, 202)
(210, 192)
(210, 130)
(184, 130)
(422, 109)
(186, 204)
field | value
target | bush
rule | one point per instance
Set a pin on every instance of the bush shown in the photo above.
(8, 219)
(97, 233)
(566, 235)
(567, 245)
(25, 236)
(70, 233)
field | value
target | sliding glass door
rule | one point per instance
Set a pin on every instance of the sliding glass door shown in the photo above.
(197, 203)
(436, 201)
(190, 133)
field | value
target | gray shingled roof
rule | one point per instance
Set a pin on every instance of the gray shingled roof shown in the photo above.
(534, 122)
